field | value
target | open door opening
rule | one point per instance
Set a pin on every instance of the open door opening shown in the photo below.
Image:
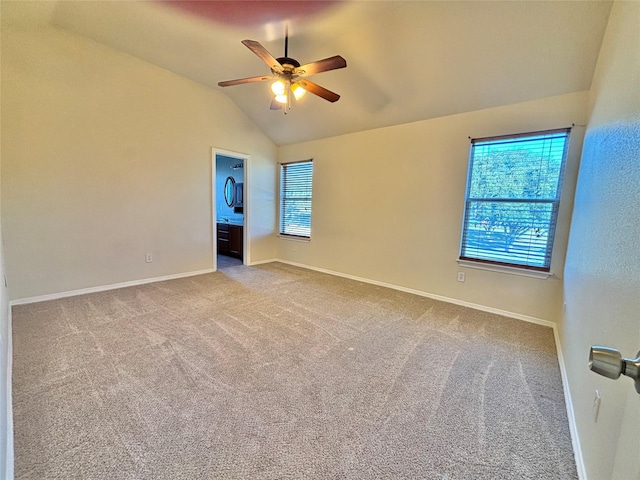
(229, 202)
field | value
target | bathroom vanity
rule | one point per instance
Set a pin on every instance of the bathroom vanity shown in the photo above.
(230, 239)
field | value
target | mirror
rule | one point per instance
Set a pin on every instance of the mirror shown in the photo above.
(229, 191)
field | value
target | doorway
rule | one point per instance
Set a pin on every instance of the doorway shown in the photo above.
(230, 197)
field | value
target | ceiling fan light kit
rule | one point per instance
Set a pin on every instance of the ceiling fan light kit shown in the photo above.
(288, 74)
(278, 87)
(298, 91)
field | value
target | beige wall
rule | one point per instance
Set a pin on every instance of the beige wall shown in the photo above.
(106, 158)
(388, 205)
(602, 276)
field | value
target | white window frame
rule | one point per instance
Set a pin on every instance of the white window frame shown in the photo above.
(291, 189)
(517, 267)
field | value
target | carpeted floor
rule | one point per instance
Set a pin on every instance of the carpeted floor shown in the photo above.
(277, 372)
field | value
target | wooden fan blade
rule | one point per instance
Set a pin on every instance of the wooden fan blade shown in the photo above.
(331, 63)
(240, 81)
(318, 90)
(262, 52)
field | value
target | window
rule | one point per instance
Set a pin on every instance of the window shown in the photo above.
(513, 195)
(295, 198)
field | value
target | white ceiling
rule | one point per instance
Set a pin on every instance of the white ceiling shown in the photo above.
(407, 60)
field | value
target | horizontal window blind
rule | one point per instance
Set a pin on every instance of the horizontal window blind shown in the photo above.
(295, 198)
(513, 196)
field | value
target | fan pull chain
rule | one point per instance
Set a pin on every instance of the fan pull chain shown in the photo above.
(289, 93)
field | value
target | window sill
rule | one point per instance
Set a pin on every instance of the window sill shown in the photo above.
(505, 269)
(294, 238)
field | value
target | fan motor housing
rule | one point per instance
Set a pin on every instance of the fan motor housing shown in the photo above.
(288, 61)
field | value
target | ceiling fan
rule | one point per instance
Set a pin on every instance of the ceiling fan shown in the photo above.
(289, 75)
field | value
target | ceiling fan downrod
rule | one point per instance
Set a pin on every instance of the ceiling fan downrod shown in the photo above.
(286, 41)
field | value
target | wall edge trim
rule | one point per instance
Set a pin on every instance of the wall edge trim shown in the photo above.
(9, 454)
(571, 417)
(262, 262)
(573, 429)
(547, 323)
(103, 288)
(475, 306)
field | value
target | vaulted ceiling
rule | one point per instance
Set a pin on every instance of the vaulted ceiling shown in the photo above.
(407, 60)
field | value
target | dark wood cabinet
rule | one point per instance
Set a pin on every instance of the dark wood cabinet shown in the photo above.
(230, 240)
(235, 241)
(223, 238)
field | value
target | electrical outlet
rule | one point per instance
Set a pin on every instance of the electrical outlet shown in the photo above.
(148, 258)
(461, 276)
(596, 406)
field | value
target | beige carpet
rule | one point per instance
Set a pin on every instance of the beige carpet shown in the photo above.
(277, 372)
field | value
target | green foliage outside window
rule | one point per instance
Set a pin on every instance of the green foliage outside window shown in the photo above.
(512, 200)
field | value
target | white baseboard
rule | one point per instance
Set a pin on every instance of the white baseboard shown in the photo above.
(102, 288)
(547, 323)
(575, 440)
(573, 427)
(261, 262)
(475, 306)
